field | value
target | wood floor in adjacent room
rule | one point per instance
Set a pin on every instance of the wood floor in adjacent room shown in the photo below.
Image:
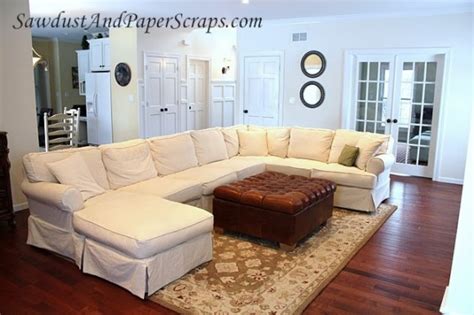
(404, 268)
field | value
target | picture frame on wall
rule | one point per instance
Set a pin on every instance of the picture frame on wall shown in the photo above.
(75, 77)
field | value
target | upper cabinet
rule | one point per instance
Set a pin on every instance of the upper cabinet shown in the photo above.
(83, 68)
(99, 54)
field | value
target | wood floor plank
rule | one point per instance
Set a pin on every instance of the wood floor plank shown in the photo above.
(404, 268)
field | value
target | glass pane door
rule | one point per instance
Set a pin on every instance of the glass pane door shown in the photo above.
(373, 86)
(415, 106)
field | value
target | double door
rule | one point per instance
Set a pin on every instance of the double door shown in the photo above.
(399, 94)
(161, 95)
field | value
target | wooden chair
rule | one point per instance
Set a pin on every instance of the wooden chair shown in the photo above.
(61, 131)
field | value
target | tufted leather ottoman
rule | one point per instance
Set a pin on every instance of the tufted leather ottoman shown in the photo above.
(274, 206)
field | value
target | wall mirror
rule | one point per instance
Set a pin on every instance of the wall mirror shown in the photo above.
(313, 64)
(312, 94)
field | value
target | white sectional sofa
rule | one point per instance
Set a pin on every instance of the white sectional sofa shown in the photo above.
(134, 212)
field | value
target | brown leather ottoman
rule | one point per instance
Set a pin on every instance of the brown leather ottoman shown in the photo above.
(274, 206)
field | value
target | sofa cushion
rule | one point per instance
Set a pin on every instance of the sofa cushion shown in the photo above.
(173, 153)
(252, 143)
(231, 139)
(244, 168)
(209, 145)
(209, 176)
(179, 190)
(345, 175)
(368, 146)
(351, 137)
(37, 170)
(73, 171)
(293, 166)
(141, 225)
(278, 140)
(309, 143)
(128, 162)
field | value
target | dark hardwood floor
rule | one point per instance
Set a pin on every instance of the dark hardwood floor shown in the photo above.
(404, 268)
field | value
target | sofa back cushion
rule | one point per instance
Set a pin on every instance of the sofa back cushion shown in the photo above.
(310, 143)
(172, 154)
(36, 168)
(278, 139)
(231, 139)
(128, 162)
(252, 143)
(209, 145)
(351, 137)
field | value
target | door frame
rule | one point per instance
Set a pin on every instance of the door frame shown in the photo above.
(189, 58)
(146, 55)
(240, 82)
(348, 91)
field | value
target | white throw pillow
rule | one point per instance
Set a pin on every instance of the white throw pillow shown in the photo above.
(172, 154)
(252, 143)
(209, 145)
(231, 139)
(37, 170)
(73, 171)
(310, 143)
(278, 140)
(128, 162)
(368, 146)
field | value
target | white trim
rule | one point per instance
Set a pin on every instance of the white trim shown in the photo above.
(20, 206)
(241, 75)
(209, 91)
(449, 180)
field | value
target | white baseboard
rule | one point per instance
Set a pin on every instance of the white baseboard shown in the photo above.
(449, 180)
(20, 206)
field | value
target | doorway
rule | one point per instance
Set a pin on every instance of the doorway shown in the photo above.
(262, 92)
(161, 95)
(197, 112)
(399, 94)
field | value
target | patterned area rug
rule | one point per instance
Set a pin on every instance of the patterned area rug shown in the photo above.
(251, 276)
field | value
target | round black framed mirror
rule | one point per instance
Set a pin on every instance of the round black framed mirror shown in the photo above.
(123, 74)
(312, 94)
(313, 64)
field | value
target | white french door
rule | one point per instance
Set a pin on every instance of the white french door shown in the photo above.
(161, 95)
(399, 94)
(198, 94)
(261, 90)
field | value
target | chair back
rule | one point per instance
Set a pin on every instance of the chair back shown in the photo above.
(61, 131)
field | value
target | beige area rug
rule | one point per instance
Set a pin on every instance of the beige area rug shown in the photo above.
(251, 276)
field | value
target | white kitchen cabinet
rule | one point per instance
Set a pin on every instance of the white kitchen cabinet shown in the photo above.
(82, 68)
(99, 54)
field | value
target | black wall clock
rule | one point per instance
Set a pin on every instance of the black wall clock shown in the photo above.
(123, 74)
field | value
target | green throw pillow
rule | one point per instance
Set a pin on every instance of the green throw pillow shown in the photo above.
(348, 155)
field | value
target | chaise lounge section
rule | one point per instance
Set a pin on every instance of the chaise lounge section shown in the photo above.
(139, 213)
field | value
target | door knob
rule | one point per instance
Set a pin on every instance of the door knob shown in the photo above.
(395, 121)
(389, 120)
(166, 109)
(189, 107)
(161, 109)
(246, 111)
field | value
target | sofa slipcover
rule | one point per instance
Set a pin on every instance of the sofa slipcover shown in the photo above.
(154, 225)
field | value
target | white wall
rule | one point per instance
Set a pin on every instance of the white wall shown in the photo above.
(217, 45)
(458, 296)
(17, 100)
(123, 48)
(334, 37)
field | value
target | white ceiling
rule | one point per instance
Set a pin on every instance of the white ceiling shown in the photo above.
(268, 9)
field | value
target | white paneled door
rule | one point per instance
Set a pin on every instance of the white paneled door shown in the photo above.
(399, 94)
(261, 90)
(161, 95)
(198, 94)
